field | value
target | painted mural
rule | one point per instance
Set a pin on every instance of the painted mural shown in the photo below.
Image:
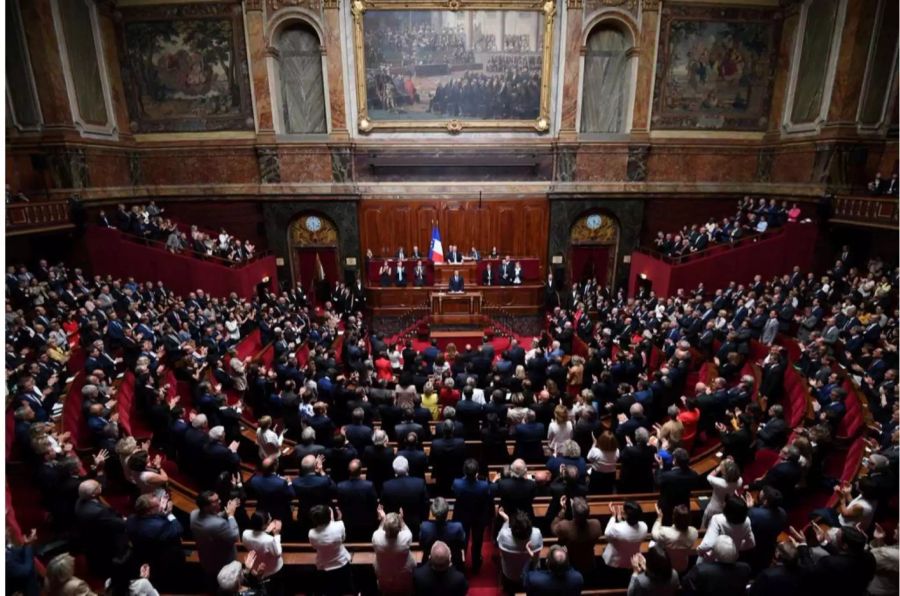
(185, 68)
(715, 68)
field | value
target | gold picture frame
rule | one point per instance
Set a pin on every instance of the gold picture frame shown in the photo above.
(540, 124)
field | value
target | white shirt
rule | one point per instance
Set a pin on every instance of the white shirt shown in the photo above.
(393, 561)
(864, 519)
(721, 489)
(679, 545)
(514, 556)
(718, 525)
(269, 442)
(267, 549)
(603, 462)
(624, 542)
(329, 545)
(557, 435)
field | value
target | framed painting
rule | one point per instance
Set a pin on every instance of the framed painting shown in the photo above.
(185, 67)
(715, 68)
(473, 66)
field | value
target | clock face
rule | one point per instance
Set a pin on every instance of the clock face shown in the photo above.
(594, 221)
(313, 223)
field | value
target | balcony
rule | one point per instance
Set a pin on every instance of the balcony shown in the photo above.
(42, 216)
(869, 212)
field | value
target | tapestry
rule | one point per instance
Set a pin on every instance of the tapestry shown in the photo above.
(185, 68)
(715, 68)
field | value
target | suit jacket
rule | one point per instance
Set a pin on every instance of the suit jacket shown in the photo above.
(473, 505)
(446, 459)
(452, 533)
(359, 504)
(774, 434)
(529, 437)
(713, 578)
(311, 490)
(101, 527)
(409, 493)
(155, 539)
(216, 538)
(379, 464)
(428, 582)
(516, 494)
(541, 583)
(675, 487)
(274, 495)
(489, 276)
(456, 284)
(636, 470)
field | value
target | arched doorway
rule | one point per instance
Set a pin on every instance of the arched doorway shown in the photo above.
(594, 248)
(313, 253)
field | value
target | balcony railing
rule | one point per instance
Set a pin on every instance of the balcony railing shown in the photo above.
(37, 216)
(874, 212)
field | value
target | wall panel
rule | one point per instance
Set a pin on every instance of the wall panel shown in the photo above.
(514, 226)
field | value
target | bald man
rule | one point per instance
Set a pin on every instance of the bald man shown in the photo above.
(100, 527)
(515, 490)
(437, 577)
(558, 579)
(359, 504)
(313, 487)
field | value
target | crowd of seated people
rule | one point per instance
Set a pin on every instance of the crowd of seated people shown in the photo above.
(621, 419)
(753, 217)
(147, 221)
(882, 186)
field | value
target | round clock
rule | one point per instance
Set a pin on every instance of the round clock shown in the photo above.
(593, 221)
(313, 223)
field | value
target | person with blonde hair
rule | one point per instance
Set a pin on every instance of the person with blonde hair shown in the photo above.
(430, 401)
(394, 562)
(724, 480)
(267, 439)
(60, 577)
(560, 429)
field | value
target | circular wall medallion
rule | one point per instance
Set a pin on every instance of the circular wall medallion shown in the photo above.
(594, 221)
(313, 223)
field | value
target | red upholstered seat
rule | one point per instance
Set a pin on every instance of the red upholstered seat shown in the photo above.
(852, 421)
(73, 419)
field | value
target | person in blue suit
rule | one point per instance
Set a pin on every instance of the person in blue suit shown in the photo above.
(472, 508)
(528, 437)
(273, 492)
(155, 537)
(558, 580)
(358, 503)
(450, 532)
(456, 282)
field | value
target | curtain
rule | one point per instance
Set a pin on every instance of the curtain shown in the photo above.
(306, 269)
(605, 92)
(302, 88)
(588, 261)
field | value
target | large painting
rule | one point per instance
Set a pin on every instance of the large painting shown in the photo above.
(716, 67)
(427, 66)
(185, 68)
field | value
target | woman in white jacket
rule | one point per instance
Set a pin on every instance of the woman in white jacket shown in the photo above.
(732, 522)
(263, 537)
(625, 533)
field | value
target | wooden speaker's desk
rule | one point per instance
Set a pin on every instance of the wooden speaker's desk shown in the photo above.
(456, 308)
(394, 302)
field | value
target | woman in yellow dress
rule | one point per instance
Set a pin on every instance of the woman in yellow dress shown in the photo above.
(430, 400)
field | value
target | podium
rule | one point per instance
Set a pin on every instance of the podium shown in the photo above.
(463, 308)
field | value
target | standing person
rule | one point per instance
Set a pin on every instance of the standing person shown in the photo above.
(602, 459)
(560, 429)
(558, 580)
(472, 508)
(678, 539)
(517, 540)
(332, 558)
(216, 535)
(653, 574)
(263, 537)
(625, 532)
(579, 535)
(394, 562)
(437, 577)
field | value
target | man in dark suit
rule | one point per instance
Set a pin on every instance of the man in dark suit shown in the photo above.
(446, 456)
(767, 520)
(407, 493)
(516, 491)
(722, 574)
(675, 485)
(218, 457)
(772, 385)
(274, 493)
(357, 432)
(155, 537)
(472, 508)
(637, 465)
(774, 433)
(408, 425)
(559, 578)
(450, 532)
(379, 459)
(847, 569)
(359, 504)
(488, 277)
(784, 476)
(99, 526)
(529, 436)
(313, 487)
(470, 413)
(412, 451)
(456, 282)
(400, 274)
(437, 577)
(419, 275)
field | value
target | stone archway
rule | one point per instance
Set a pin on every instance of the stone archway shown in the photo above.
(313, 252)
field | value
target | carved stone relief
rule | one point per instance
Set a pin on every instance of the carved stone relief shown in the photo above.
(269, 166)
(565, 164)
(341, 165)
(764, 160)
(636, 168)
(69, 168)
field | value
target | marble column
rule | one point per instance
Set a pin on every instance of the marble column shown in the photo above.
(791, 19)
(571, 66)
(259, 42)
(43, 46)
(334, 69)
(646, 46)
(853, 52)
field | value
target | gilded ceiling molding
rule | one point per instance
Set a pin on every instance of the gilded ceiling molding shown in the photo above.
(650, 4)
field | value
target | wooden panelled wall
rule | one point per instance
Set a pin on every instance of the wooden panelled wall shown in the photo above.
(517, 227)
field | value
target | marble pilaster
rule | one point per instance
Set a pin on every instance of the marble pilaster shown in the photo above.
(640, 121)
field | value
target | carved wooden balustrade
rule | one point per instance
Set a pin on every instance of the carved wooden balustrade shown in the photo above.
(874, 212)
(23, 218)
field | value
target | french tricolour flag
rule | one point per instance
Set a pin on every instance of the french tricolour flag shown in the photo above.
(436, 253)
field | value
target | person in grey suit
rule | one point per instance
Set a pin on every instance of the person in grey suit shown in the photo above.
(216, 534)
(770, 329)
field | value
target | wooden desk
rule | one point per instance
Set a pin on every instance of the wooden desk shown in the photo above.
(463, 308)
(524, 300)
